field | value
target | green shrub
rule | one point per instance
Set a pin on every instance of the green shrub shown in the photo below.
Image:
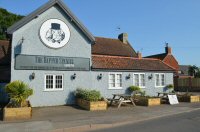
(89, 95)
(18, 92)
(134, 88)
(170, 86)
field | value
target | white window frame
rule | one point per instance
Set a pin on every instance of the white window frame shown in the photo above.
(115, 73)
(54, 82)
(160, 79)
(139, 79)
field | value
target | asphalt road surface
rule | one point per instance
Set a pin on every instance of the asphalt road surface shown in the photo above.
(186, 122)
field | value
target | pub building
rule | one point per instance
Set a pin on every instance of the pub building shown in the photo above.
(53, 52)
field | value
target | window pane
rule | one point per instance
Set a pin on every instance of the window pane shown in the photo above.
(49, 81)
(112, 80)
(136, 76)
(162, 79)
(119, 80)
(157, 80)
(142, 80)
(59, 81)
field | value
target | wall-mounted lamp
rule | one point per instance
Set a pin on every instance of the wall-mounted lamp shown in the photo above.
(74, 76)
(99, 77)
(22, 40)
(128, 76)
(150, 77)
(32, 76)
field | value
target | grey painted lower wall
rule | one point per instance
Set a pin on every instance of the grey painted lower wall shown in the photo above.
(3, 95)
(84, 79)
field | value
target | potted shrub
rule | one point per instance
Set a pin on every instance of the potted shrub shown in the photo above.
(188, 98)
(18, 107)
(134, 89)
(170, 88)
(90, 99)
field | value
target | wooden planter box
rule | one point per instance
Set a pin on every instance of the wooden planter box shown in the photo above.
(148, 101)
(92, 106)
(17, 113)
(190, 99)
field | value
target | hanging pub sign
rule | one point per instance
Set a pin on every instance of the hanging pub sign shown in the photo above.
(54, 33)
(54, 63)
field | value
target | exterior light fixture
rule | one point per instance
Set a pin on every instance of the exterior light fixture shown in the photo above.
(33, 76)
(74, 76)
(99, 77)
(22, 39)
(128, 76)
(150, 77)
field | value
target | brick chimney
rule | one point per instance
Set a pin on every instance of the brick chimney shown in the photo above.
(139, 55)
(123, 37)
(168, 49)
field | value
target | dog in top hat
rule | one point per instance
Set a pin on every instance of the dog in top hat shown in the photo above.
(55, 33)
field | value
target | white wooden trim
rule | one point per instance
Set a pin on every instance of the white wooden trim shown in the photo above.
(160, 86)
(54, 83)
(139, 79)
(115, 73)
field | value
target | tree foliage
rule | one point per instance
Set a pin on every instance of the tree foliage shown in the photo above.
(7, 19)
(194, 71)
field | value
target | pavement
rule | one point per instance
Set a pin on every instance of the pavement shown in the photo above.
(72, 118)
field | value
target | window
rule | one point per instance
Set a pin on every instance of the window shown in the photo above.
(115, 81)
(160, 80)
(139, 80)
(53, 82)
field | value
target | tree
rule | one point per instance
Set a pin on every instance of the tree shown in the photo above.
(194, 71)
(7, 19)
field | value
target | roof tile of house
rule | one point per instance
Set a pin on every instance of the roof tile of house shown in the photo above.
(128, 63)
(107, 46)
(158, 56)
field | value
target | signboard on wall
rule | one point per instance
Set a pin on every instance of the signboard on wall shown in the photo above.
(54, 33)
(54, 63)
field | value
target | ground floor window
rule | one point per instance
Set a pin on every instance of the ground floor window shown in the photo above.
(115, 80)
(160, 79)
(53, 82)
(139, 80)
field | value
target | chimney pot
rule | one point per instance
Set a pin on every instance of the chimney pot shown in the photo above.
(168, 49)
(139, 55)
(123, 37)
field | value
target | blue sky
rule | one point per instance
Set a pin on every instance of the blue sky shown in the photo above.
(149, 23)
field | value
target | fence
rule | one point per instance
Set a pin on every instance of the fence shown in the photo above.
(187, 84)
(3, 96)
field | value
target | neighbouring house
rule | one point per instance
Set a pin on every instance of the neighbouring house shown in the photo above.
(167, 58)
(184, 71)
(55, 54)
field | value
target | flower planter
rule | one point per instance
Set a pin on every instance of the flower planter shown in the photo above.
(143, 101)
(190, 99)
(17, 113)
(92, 106)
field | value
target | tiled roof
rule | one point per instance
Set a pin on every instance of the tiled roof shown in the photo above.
(158, 56)
(128, 63)
(114, 47)
(5, 52)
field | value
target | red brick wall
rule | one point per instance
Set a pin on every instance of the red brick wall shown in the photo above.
(170, 60)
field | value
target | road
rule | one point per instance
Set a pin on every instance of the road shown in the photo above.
(186, 122)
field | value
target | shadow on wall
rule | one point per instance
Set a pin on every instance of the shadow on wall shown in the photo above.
(4, 98)
(70, 100)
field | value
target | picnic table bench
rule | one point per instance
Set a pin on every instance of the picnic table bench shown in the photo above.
(122, 98)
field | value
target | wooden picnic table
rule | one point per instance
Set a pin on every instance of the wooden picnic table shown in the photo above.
(122, 98)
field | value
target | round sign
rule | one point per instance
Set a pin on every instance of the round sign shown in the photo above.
(54, 33)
